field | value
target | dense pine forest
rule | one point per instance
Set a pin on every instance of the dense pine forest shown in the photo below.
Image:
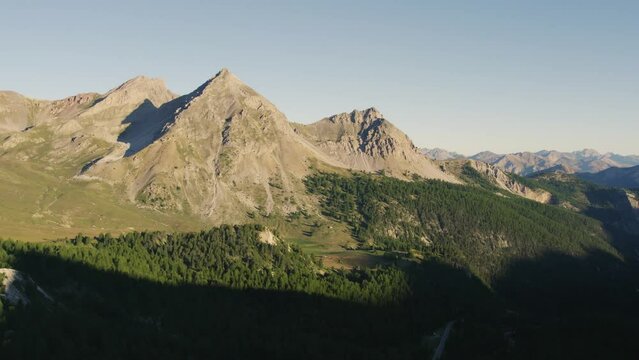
(517, 279)
(478, 228)
(219, 292)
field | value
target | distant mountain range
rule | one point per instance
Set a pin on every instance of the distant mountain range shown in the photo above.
(441, 154)
(525, 163)
(615, 177)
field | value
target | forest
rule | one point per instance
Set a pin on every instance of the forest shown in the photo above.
(518, 279)
(477, 228)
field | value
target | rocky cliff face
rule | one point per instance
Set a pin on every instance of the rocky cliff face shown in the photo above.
(441, 154)
(501, 179)
(633, 200)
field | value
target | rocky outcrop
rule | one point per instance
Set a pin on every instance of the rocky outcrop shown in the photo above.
(441, 154)
(504, 181)
(15, 285)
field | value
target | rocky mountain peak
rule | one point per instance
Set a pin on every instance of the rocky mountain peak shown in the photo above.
(228, 91)
(365, 140)
(225, 79)
(441, 154)
(588, 153)
(358, 117)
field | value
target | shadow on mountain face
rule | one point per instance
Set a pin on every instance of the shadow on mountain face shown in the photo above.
(556, 306)
(612, 207)
(147, 122)
(144, 127)
(566, 307)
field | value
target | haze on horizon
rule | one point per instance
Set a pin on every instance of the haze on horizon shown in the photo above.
(465, 77)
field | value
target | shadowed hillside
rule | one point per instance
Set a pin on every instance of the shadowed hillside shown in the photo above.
(138, 296)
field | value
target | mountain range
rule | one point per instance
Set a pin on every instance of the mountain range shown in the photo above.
(615, 177)
(217, 154)
(526, 163)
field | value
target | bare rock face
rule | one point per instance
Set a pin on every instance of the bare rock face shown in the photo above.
(633, 201)
(366, 141)
(441, 154)
(498, 177)
(16, 284)
(267, 237)
(134, 92)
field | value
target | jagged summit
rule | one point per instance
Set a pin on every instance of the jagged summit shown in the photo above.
(226, 78)
(135, 91)
(223, 72)
(358, 116)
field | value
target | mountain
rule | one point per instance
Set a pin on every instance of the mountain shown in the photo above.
(366, 141)
(219, 154)
(441, 154)
(587, 160)
(615, 177)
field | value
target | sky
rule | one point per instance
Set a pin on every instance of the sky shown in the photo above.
(466, 76)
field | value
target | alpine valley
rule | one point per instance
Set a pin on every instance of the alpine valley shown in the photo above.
(143, 224)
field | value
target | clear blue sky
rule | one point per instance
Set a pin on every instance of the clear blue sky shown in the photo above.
(463, 75)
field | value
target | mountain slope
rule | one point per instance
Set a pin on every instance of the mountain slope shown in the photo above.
(219, 156)
(615, 177)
